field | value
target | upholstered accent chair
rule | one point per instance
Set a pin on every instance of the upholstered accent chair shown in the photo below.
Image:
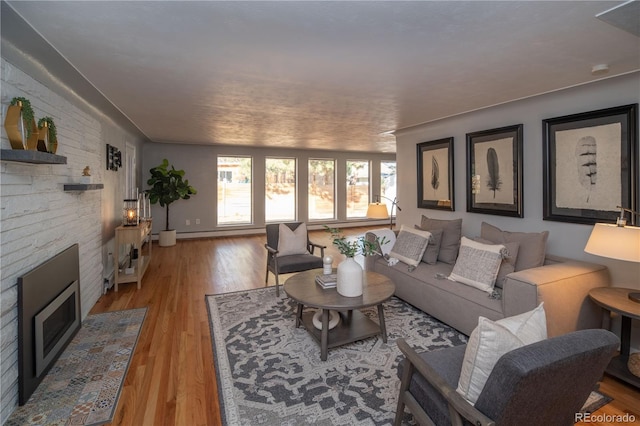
(548, 381)
(296, 254)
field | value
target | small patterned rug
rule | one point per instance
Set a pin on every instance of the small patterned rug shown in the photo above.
(83, 386)
(270, 373)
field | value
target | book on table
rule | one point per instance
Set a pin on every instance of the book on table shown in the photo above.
(327, 281)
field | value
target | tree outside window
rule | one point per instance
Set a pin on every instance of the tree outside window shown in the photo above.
(234, 190)
(280, 189)
(322, 189)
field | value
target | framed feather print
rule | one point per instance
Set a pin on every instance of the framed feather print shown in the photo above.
(494, 171)
(590, 165)
(435, 175)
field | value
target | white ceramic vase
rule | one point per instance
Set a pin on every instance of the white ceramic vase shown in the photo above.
(349, 278)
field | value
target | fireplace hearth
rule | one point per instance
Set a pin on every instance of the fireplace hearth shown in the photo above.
(48, 317)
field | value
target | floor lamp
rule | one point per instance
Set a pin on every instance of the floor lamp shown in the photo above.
(379, 211)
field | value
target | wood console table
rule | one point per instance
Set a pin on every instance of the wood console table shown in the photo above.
(136, 235)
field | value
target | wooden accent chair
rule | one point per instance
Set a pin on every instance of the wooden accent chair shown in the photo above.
(290, 263)
(548, 381)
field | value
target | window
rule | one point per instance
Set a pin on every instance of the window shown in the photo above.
(388, 183)
(280, 189)
(322, 189)
(357, 188)
(234, 190)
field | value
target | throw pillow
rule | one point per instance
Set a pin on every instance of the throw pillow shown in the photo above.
(451, 233)
(410, 245)
(292, 241)
(508, 264)
(530, 327)
(490, 340)
(431, 253)
(478, 264)
(532, 244)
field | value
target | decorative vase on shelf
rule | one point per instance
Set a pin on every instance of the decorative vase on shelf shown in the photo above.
(350, 276)
(43, 139)
(48, 135)
(22, 133)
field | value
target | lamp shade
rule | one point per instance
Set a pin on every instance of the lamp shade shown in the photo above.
(377, 211)
(615, 242)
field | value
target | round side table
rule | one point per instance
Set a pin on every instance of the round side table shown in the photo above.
(615, 299)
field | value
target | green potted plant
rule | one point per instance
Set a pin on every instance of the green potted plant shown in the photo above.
(48, 140)
(350, 273)
(167, 186)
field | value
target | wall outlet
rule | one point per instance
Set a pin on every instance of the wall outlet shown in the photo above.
(188, 222)
(197, 221)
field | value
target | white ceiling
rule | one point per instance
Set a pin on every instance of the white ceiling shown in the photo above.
(326, 75)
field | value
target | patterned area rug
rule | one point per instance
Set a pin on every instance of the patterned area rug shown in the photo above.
(270, 373)
(83, 386)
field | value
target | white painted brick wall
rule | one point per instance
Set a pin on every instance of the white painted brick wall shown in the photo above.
(39, 219)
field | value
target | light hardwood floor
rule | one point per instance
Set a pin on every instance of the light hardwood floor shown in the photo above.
(172, 380)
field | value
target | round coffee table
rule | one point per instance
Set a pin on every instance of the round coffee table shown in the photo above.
(353, 325)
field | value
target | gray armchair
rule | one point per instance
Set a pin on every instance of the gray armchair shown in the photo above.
(292, 263)
(548, 381)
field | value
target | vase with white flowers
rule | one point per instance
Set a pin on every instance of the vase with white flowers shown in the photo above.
(349, 272)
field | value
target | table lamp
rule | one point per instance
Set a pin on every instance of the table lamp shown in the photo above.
(616, 241)
(131, 212)
(379, 211)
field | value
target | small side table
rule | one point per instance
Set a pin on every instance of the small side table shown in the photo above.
(614, 299)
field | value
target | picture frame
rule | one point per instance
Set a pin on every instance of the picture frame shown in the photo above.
(494, 171)
(435, 174)
(590, 165)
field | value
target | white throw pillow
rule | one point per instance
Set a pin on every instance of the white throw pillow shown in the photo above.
(478, 264)
(292, 242)
(492, 339)
(410, 245)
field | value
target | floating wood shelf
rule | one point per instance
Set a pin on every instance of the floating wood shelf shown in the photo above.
(82, 186)
(29, 156)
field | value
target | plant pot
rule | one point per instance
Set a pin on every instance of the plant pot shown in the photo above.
(167, 238)
(350, 276)
(16, 129)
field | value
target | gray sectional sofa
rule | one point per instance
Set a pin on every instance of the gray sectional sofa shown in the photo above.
(562, 284)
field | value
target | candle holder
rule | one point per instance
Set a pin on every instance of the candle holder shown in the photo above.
(131, 212)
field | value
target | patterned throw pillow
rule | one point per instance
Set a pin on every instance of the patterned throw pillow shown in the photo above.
(478, 264)
(410, 245)
(508, 264)
(292, 242)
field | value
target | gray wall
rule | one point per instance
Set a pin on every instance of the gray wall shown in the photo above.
(566, 239)
(199, 163)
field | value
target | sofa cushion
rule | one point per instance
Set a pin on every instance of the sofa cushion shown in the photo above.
(410, 245)
(433, 248)
(532, 244)
(477, 264)
(492, 339)
(292, 242)
(508, 264)
(451, 234)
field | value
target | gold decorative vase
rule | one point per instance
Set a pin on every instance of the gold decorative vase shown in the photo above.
(45, 143)
(16, 129)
